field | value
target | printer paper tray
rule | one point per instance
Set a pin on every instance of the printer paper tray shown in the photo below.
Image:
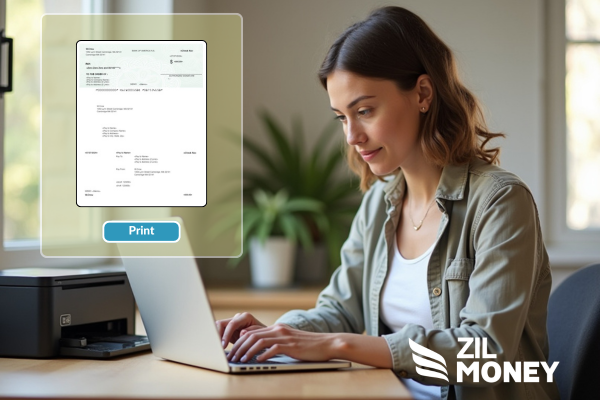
(107, 349)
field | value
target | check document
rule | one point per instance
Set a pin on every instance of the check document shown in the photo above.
(141, 123)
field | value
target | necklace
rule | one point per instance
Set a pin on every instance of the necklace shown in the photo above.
(415, 226)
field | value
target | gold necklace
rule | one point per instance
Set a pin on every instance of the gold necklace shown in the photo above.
(415, 226)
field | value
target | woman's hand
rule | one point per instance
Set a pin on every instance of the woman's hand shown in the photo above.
(231, 329)
(250, 336)
(282, 339)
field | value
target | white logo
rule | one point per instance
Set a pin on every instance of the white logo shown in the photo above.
(491, 371)
(424, 351)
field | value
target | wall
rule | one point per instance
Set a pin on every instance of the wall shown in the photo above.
(499, 47)
(496, 43)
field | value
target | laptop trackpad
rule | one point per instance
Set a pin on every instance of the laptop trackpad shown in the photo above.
(282, 358)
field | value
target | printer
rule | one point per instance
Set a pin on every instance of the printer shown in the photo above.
(87, 313)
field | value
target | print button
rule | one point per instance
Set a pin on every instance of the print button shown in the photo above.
(141, 231)
(437, 291)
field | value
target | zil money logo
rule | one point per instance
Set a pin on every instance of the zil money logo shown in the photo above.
(491, 371)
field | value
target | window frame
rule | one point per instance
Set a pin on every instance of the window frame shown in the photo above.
(566, 247)
(26, 253)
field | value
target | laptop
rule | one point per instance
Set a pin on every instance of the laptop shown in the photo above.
(178, 318)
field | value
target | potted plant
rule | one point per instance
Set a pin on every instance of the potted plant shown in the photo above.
(317, 173)
(271, 228)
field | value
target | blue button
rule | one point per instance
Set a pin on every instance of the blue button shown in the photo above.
(141, 231)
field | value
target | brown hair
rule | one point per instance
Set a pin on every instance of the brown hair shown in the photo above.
(395, 44)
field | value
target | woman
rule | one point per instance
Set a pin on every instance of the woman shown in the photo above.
(447, 246)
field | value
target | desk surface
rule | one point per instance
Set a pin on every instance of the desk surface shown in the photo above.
(144, 376)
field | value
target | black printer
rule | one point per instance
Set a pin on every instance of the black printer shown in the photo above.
(47, 312)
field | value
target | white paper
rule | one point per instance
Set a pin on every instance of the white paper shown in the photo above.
(141, 123)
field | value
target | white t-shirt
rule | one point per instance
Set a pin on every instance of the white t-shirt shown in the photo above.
(405, 299)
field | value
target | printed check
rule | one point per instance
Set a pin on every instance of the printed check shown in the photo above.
(141, 123)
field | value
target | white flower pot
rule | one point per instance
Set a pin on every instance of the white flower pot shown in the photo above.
(272, 264)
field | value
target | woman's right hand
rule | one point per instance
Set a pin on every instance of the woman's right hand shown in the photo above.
(231, 329)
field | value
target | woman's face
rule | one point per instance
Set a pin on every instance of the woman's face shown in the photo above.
(380, 121)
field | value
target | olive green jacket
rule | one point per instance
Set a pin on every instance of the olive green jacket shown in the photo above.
(488, 277)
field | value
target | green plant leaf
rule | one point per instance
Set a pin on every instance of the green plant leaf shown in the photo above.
(298, 140)
(261, 155)
(304, 204)
(333, 159)
(277, 136)
(264, 230)
(280, 199)
(261, 198)
(289, 227)
(254, 180)
(324, 138)
(321, 181)
(252, 217)
(322, 222)
(304, 235)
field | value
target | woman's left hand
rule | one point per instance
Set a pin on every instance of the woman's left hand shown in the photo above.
(282, 339)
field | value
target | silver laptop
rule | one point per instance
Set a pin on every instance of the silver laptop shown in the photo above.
(179, 321)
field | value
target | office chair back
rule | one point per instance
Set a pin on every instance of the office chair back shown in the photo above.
(574, 334)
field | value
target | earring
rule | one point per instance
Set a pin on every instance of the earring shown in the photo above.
(422, 109)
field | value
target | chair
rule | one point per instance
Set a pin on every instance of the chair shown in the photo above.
(574, 334)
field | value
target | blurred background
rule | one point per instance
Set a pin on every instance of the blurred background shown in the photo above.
(533, 64)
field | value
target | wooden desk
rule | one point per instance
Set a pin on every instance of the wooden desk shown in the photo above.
(147, 377)
(143, 376)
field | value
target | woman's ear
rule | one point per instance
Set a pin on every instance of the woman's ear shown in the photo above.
(424, 88)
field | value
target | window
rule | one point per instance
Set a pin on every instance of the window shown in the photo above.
(19, 133)
(21, 126)
(583, 113)
(572, 92)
